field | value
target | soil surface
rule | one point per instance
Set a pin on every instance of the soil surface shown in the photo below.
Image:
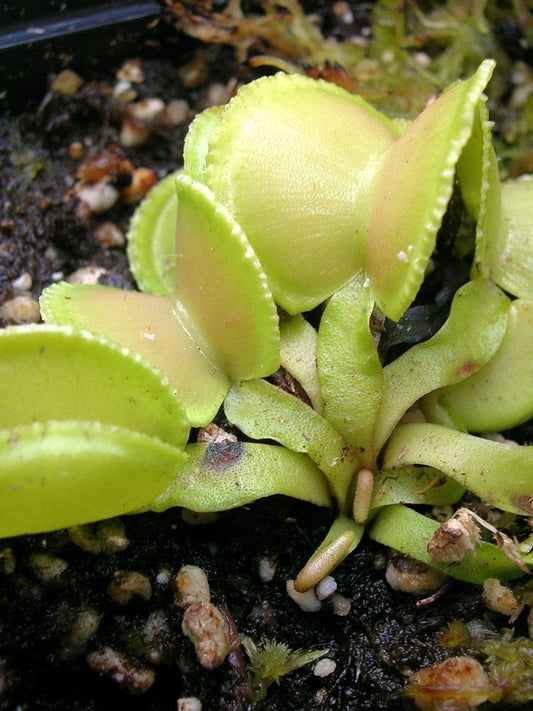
(45, 233)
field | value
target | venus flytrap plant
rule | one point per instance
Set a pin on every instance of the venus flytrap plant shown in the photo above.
(301, 195)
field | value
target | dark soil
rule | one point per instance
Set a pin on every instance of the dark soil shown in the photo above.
(384, 636)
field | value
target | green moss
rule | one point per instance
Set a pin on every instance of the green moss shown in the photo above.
(272, 661)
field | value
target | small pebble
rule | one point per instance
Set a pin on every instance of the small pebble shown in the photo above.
(99, 196)
(131, 71)
(459, 683)
(129, 586)
(48, 568)
(267, 569)
(107, 163)
(412, 576)
(206, 627)
(219, 94)
(341, 605)
(8, 562)
(20, 309)
(324, 667)
(498, 597)
(129, 677)
(380, 561)
(112, 535)
(66, 82)
(163, 577)
(123, 91)
(326, 587)
(86, 275)
(24, 282)
(146, 109)
(84, 626)
(307, 601)
(189, 703)
(190, 586)
(157, 639)
(86, 538)
(109, 235)
(142, 180)
(176, 112)
(133, 133)
(76, 150)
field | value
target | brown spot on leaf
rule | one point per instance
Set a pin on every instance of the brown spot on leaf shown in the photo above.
(466, 369)
(525, 503)
(223, 455)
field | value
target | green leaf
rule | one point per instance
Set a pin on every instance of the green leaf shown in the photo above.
(219, 324)
(222, 476)
(405, 530)
(412, 190)
(153, 326)
(263, 411)
(415, 485)
(58, 373)
(349, 370)
(196, 143)
(294, 161)
(298, 355)
(59, 474)
(510, 258)
(500, 395)
(468, 339)
(152, 238)
(499, 473)
(479, 180)
(223, 288)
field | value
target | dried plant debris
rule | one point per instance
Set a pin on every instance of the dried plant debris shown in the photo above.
(395, 54)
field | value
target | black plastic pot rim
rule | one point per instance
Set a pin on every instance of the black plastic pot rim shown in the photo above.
(72, 22)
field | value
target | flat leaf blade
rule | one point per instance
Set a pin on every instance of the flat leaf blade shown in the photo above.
(263, 411)
(468, 339)
(510, 260)
(415, 485)
(405, 530)
(349, 369)
(480, 465)
(499, 395)
(218, 477)
(298, 355)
